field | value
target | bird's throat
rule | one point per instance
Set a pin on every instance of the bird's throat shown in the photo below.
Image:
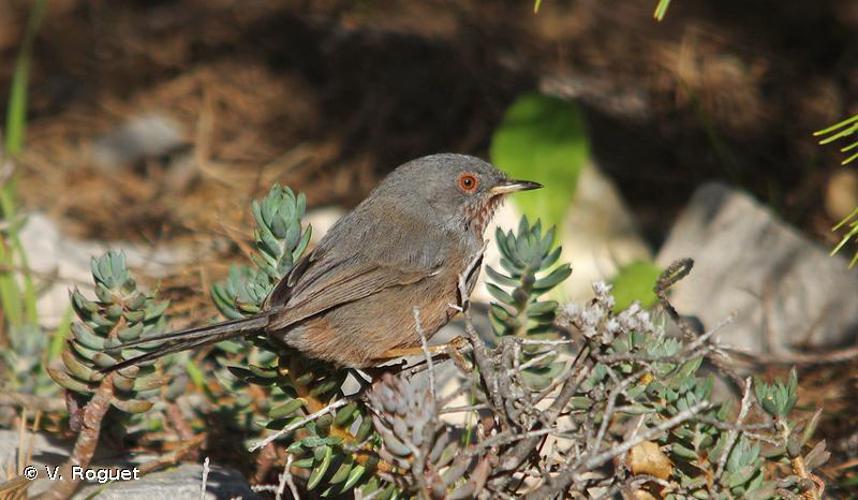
(481, 214)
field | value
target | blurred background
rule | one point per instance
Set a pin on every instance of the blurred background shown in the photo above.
(157, 122)
(328, 96)
(151, 125)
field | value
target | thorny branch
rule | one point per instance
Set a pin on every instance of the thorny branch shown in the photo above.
(300, 423)
(548, 441)
(557, 484)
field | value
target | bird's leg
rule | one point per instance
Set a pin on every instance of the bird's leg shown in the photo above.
(454, 350)
(449, 348)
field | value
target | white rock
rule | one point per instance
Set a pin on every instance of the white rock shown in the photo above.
(49, 252)
(322, 220)
(145, 136)
(784, 289)
(184, 481)
(599, 234)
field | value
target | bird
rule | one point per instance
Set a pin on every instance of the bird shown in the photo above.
(385, 277)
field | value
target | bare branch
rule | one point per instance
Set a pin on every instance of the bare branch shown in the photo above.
(309, 418)
(426, 354)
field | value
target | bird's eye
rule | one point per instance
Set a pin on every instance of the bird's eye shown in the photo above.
(468, 183)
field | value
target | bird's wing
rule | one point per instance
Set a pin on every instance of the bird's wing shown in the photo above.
(323, 282)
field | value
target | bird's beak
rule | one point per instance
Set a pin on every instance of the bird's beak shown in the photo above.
(513, 186)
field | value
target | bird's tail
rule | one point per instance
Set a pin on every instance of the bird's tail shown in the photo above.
(190, 338)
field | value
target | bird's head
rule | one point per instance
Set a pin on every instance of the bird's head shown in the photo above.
(456, 190)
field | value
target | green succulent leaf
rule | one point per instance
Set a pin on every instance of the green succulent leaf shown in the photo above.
(777, 399)
(322, 460)
(120, 313)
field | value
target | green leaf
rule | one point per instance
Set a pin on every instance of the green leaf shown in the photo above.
(16, 114)
(777, 399)
(553, 279)
(155, 310)
(635, 282)
(302, 243)
(543, 139)
(551, 258)
(286, 409)
(68, 382)
(76, 368)
(661, 9)
(354, 476)
(342, 472)
(364, 429)
(123, 384)
(499, 312)
(131, 405)
(320, 467)
(548, 306)
(499, 278)
(85, 337)
(346, 414)
(499, 294)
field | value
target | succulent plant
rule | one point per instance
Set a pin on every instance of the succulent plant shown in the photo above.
(777, 399)
(623, 373)
(120, 313)
(280, 241)
(337, 449)
(24, 361)
(527, 259)
(428, 458)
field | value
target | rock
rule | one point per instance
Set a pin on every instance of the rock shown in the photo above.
(600, 235)
(51, 253)
(785, 290)
(145, 136)
(43, 450)
(322, 220)
(183, 481)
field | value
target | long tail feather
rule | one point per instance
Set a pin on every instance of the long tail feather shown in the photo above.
(235, 326)
(190, 338)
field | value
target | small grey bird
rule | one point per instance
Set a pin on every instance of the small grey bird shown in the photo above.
(350, 301)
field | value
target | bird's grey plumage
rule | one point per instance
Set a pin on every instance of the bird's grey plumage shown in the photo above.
(352, 297)
(346, 267)
(382, 228)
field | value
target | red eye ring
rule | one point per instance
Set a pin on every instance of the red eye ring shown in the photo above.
(468, 182)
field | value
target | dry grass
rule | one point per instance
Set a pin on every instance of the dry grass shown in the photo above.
(13, 485)
(833, 388)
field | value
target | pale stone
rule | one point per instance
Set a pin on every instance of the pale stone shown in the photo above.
(784, 289)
